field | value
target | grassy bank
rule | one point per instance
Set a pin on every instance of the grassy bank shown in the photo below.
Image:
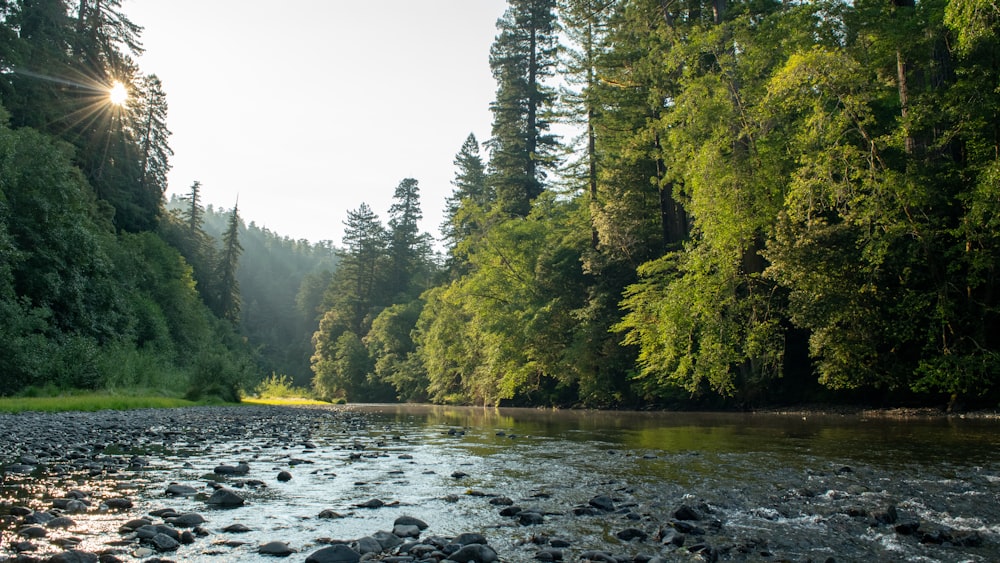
(90, 402)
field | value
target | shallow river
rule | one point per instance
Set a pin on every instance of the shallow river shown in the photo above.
(755, 487)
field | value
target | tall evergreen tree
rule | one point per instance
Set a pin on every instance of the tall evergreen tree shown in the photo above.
(521, 147)
(227, 294)
(470, 199)
(149, 125)
(408, 248)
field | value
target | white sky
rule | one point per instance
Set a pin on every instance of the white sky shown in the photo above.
(307, 108)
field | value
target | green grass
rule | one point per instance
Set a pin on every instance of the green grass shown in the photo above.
(93, 401)
(289, 401)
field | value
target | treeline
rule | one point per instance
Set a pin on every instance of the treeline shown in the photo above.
(92, 295)
(769, 201)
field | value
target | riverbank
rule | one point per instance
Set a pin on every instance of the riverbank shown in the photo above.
(249, 483)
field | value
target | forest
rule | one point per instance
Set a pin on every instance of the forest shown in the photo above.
(767, 202)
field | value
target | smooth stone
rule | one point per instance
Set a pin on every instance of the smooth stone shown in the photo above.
(511, 511)
(459, 474)
(389, 540)
(603, 502)
(284, 476)
(477, 553)
(334, 554)
(686, 512)
(132, 525)
(367, 545)
(187, 520)
(327, 513)
(178, 490)
(373, 503)
(162, 542)
(470, 539)
(33, 532)
(629, 534)
(239, 469)
(19, 468)
(501, 501)
(410, 521)
(225, 497)
(118, 503)
(74, 556)
(149, 532)
(236, 529)
(406, 531)
(276, 548)
(61, 522)
(528, 518)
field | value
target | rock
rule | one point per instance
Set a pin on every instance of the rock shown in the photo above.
(389, 540)
(470, 538)
(373, 503)
(459, 474)
(225, 498)
(670, 536)
(585, 511)
(149, 532)
(187, 520)
(907, 527)
(239, 469)
(367, 545)
(529, 518)
(19, 468)
(334, 554)
(275, 548)
(501, 501)
(629, 534)
(686, 512)
(284, 476)
(410, 521)
(885, 517)
(73, 556)
(685, 527)
(327, 513)
(178, 490)
(236, 529)
(549, 555)
(510, 511)
(162, 542)
(61, 522)
(32, 532)
(600, 556)
(602, 502)
(118, 503)
(406, 531)
(477, 553)
(132, 525)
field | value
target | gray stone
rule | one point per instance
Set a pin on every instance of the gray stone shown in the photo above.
(629, 534)
(470, 539)
(686, 512)
(284, 476)
(236, 529)
(389, 540)
(226, 498)
(239, 469)
(32, 532)
(74, 556)
(187, 520)
(475, 553)
(275, 548)
(118, 503)
(529, 518)
(603, 502)
(61, 522)
(162, 542)
(334, 554)
(367, 545)
(373, 503)
(406, 531)
(178, 490)
(410, 521)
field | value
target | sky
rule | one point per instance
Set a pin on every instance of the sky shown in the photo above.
(304, 109)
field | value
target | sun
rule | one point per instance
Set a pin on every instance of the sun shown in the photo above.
(118, 94)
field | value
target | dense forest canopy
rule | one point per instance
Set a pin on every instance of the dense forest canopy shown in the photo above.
(768, 201)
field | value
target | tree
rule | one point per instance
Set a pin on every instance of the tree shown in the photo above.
(149, 118)
(468, 202)
(409, 249)
(521, 149)
(227, 301)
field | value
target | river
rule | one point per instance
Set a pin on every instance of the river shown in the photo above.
(731, 487)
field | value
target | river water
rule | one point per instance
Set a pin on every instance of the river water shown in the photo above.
(758, 487)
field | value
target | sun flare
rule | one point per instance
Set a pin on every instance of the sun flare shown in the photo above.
(118, 94)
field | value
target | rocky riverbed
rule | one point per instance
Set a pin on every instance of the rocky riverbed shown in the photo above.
(344, 484)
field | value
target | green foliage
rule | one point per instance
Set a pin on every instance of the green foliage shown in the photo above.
(280, 386)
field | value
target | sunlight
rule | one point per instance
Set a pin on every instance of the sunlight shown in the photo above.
(118, 94)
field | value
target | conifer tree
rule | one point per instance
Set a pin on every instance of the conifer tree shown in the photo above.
(228, 301)
(470, 198)
(522, 149)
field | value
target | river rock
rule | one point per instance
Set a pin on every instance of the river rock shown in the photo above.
(284, 476)
(549, 555)
(406, 531)
(162, 542)
(670, 536)
(373, 503)
(389, 540)
(187, 520)
(242, 468)
(132, 525)
(530, 518)
(61, 522)
(603, 502)
(118, 503)
(629, 534)
(685, 512)
(151, 531)
(339, 553)
(225, 498)
(510, 511)
(236, 529)
(330, 514)
(74, 556)
(367, 545)
(32, 532)
(19, 468)
(410, 521)
(600, 556)
(470, 538)
(477, 553)
(178, 490)
(275, 548)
